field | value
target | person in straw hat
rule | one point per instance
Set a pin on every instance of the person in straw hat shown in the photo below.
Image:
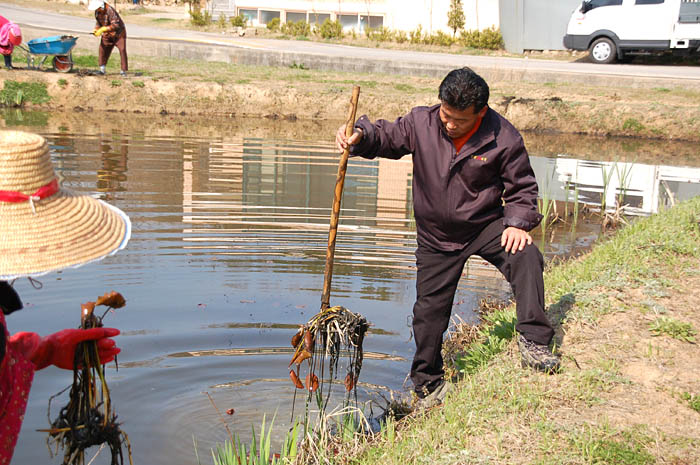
(110, 27)
(43, 228)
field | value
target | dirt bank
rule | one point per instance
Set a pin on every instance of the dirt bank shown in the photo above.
(175, 87)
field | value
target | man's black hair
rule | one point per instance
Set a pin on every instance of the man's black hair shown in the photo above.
(463, 88)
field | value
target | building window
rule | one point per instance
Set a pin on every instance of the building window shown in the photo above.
(348, 21)
(295, 17)
(250, 15)
(266, 16)
(318, 18)
(373, 22)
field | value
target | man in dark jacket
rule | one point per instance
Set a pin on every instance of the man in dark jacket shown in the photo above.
(474, 193)
(110, 27)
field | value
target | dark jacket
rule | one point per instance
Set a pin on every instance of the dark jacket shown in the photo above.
(455, 195)
(110, 18)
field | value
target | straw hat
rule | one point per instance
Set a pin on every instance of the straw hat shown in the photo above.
(44, 227)
(95, 4)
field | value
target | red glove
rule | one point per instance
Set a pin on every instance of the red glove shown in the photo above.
(59, 348)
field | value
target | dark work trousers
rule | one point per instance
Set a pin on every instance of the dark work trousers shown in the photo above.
(436, 284)
(106, 47)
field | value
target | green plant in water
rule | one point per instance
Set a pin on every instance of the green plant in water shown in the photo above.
(674, 328)
(547, 205)
(233, 451)
(623, 180)
(18, 117)
(607, 175)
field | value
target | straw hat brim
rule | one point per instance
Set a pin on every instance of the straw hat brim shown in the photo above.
(64, 230)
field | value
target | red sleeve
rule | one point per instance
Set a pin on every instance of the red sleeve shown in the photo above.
(16, 375)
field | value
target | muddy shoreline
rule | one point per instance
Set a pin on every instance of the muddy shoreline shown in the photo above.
(317, 100)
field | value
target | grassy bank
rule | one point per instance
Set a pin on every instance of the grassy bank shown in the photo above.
(172, 86)
(627, 325)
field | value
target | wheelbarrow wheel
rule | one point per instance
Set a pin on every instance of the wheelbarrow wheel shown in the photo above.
(62, 63)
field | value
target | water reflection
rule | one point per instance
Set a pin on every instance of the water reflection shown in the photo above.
(641, 188)
(226, 259)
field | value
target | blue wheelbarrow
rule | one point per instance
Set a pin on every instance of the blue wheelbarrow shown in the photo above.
(39, 50)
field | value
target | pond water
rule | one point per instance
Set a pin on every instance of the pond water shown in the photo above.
(230, 225)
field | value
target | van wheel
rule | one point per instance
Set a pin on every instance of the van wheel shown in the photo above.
(602, 51)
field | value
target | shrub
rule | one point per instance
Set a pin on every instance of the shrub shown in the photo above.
(381, 34)
(490, 38)
(200, 18)
(400, 37)
(331, 29)
(274, 24)
(300, 28)
(439, 38)
(239, 21)
(416, 36)
(221, 22)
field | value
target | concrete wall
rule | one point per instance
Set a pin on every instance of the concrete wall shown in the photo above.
(534, 24)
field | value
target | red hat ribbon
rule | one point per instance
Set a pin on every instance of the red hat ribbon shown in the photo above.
(41, 193)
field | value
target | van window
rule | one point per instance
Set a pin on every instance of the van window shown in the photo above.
(589, 5)
(648, 2)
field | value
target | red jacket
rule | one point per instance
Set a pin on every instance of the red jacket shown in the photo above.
(109, 17)
(16, 374)
(455, 195)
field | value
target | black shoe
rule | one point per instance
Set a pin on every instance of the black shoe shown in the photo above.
(538, 356)
(435, 398)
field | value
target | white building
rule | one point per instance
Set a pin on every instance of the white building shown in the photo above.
(404, 15)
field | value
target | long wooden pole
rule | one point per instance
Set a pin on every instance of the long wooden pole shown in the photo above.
(337, 197)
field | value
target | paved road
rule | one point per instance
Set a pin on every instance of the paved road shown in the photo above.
(367, 59)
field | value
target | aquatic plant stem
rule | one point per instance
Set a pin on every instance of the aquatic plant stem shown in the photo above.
(230, 435)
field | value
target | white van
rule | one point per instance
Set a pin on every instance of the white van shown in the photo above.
(612, 29)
